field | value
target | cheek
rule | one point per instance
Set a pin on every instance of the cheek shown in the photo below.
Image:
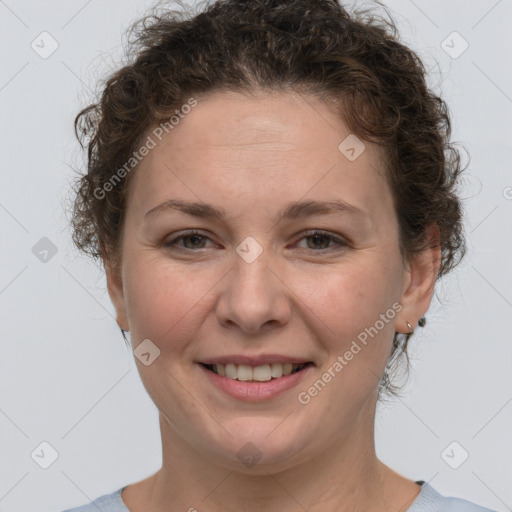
(355, 296)
(164, 303)
(350, 302)
(356, 304)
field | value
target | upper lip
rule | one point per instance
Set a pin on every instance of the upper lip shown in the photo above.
(254, 360)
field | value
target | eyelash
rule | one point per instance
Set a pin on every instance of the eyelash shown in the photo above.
(171, 243)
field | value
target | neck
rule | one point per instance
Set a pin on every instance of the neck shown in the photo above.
(345, 476)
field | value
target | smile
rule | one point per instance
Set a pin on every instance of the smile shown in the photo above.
(261, 373)
(257, 378)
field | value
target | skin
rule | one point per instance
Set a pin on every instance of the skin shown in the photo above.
(252, 155)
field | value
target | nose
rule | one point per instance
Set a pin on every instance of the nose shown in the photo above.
(254, 298)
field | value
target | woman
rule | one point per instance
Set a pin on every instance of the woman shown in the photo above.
(271, 192)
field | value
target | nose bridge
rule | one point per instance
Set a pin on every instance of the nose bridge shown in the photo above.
(254, 295)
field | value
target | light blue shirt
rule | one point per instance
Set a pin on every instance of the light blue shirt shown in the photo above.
(429, 500)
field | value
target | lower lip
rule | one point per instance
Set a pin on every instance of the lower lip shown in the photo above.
(252, 391)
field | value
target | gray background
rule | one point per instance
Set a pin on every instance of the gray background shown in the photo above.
(66, 377)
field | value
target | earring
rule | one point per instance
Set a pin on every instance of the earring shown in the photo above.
(410, 328)
(422, 321)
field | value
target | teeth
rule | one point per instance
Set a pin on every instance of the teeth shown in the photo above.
(231, 371)
(244, 372)
(276, 370)
(261, 373)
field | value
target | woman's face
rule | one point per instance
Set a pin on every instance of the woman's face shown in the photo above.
(257, 288)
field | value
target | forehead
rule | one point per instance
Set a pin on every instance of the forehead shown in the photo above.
(270, 144)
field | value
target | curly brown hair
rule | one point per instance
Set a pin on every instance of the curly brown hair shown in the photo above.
(353, 61)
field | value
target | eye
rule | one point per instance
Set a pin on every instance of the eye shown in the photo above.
(193, 240)
(321, 240)
(196, 239)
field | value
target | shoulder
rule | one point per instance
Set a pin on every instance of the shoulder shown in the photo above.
(106, 503)
(429, 500)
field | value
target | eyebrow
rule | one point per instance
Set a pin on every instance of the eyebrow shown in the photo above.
(292, 211)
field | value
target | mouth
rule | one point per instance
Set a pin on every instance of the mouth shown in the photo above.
(261, 373)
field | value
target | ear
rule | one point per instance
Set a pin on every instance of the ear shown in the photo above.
(421, 273)
(115, 291)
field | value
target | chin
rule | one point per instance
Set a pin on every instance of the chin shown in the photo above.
(258, 447)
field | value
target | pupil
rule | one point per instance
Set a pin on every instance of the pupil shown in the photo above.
(195, 238)
(316, 237)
